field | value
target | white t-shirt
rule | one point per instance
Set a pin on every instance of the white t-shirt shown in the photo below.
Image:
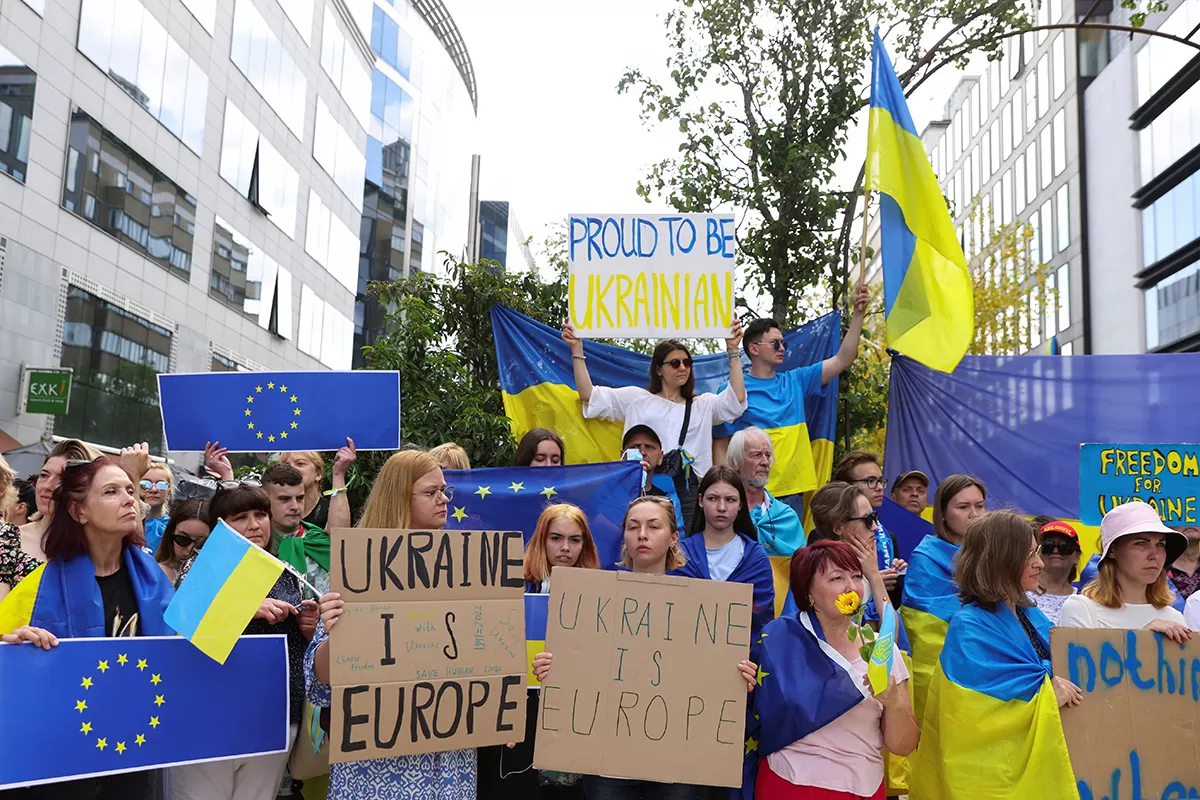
(1083, 612)
(636, 406)
(1191, 612)
(723, 560)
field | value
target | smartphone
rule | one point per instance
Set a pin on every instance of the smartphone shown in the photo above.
(632, 454)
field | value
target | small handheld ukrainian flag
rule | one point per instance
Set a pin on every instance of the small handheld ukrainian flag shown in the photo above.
(927, 288)
(221, 592)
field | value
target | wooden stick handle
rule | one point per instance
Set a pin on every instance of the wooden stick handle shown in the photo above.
(862, 262)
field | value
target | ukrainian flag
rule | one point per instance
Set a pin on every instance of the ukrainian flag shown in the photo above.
(930, 602)
(538, 383)
(537, 610)
(992, 729)
(927, 288)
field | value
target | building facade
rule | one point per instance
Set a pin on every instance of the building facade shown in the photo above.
(501, 238)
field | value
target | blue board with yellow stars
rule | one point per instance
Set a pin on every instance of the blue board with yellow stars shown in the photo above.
(96, 706)
(259, 412)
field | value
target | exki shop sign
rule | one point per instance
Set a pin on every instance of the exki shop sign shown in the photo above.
(47, 391)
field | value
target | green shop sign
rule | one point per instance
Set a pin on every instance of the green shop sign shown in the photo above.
(47, 391)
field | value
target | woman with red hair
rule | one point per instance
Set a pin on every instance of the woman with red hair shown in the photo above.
(561, 539)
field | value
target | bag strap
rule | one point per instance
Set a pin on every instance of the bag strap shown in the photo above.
(687, 417)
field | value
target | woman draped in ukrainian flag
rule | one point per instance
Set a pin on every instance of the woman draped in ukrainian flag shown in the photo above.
(930, 593)
(816, 731)
(992, 729)
(97, 581)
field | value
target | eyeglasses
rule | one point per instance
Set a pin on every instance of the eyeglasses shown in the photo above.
(188, 541)
(870, 520)
(776, 344)
(161, 486)
(1058, 548)
(871, 483)
(676, 363)
(432, 494)
(1034, 553)
(236, 484)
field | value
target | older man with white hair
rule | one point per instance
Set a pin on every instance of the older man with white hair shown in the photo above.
(779, 529)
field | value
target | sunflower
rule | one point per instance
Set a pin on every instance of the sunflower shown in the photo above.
(848, 603)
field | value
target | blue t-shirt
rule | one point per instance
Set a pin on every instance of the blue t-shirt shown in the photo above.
(154, 527)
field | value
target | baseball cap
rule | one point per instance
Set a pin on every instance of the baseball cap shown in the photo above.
(912, 473)
(1061, 528)
(1138, 517)
(646, 429)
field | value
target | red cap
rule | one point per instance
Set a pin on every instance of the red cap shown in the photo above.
(1057, 526)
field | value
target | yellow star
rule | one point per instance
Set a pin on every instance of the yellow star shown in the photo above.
(293, 398)
(516, 487)
(295, 412)
(258, 389)
(295, 425)
(141, 663)
(155, 679)
(761, 674)
(259, 434)
(120, 747)
(483, 491)
(250, 398)
(271, 385)
(751, 745)
(548, 491)
(283, 434)
(283, 390)
(154, 723)
(459, 514)
(80, 705)
(103, 666)
(87, 683)
(159, 699)
(86, 728)
(122, 659)
(102, 743)
(250, 426)
(140, 740)
(247, 412)
(271, 438)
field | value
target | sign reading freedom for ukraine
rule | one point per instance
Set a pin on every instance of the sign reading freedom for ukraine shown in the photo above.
(651, 275)
(429, 653)
(1137, 732)
(1167, 476)
(92, 707)
(644, 683)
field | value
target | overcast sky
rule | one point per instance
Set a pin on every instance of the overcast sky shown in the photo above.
(555, 136)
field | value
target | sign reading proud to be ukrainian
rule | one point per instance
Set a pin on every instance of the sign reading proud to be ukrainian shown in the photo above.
(659, 275)
(1167, 476)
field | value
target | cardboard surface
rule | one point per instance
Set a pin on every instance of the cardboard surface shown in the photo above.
(1135, 735)
(644, 682)
(429, 653)
(1167, 476)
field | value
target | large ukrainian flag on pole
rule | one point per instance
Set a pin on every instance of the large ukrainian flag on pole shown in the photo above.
(927, 289)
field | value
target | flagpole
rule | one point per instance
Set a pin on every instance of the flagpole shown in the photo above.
(862, 262)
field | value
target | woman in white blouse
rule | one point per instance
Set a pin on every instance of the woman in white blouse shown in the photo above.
(661, 405)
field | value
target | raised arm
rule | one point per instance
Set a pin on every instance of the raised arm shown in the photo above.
(339, 502)
(832, 367)
(583, 381)
(737, 380)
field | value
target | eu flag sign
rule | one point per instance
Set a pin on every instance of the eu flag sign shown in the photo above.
(91, 707)
(255, 412)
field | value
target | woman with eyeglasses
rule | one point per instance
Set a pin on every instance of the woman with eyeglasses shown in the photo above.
(22, 549)
(409, 492)
(1060, 562)
(184, 536)
(668, 399)
(155, 490)
(245, 507)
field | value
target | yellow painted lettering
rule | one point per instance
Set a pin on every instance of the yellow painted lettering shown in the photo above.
(723, 301)
(687, 299)
(1174, 462)
(601, 307)
(698, 302)
(624, 287)
(670, 297)
(1106, 460)
(640, 300)
(1190, 469)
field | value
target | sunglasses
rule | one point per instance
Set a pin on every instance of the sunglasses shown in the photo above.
(676, 363)
(870, 520)
(187, 541)
(161, 486)
(776, 344)
(235, 484)
(1058, 548)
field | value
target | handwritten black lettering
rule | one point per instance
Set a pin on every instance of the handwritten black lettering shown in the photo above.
(473, 704)
(489, 559)
(450, 650)
(387, 659)
(466, 561)
(514, 568)
(600, 623)
(657, 659)
(386, 557)
(670, 606)
(346, 578)
(419, 707)
(380, 742)
(729, 626)
(578, 603)
(350, 719)
(506, 683)
(546, 707)
(626, 611)
(444, 564)
(621, 661)
(646, 720)
(722, 721)
(575, 708)
(687, 732)
(711, 627)
(455, 688)
(621, 708)
(417, 568)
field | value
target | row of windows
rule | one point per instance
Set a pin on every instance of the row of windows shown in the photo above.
(325, 334)
(246, 278)
(1171, 135)
(1173, 307)
(18, 85)
(343, 67)
(331, 243)
(1039, 319)
(127, 43)
(118, 191)
(1159, 59)
(393, 111)
(257, 170)
(263, 59)
(334, 149)
(1171, 221)
(1050, 225)
(393, 44)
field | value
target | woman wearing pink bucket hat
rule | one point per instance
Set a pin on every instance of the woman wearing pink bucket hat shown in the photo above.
(1130, 589)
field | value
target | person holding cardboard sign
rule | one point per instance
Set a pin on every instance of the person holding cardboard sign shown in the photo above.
(650, 547)
(410, 492)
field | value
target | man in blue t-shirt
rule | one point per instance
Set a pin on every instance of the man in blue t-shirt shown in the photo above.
(776, 398)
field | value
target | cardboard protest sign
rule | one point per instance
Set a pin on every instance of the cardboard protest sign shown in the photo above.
(644, 682)
(654, 275)
(429, 653)
(1167, 476)
(1137, 731)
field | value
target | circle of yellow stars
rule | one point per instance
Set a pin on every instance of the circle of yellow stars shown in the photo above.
(81, 705)
(460, 512)
(271, 437)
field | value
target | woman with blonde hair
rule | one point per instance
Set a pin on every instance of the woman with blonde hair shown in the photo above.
(451, 455)
(8, 493)
(410, 492)
(155, 488)
(329, 509)
(561, 539)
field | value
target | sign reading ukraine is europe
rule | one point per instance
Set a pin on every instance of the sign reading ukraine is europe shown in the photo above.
(661, 275)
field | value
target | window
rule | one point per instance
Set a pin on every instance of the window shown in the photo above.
(1043, 18)
(971, 103)
(340, 63)
(1160, 59)
(1058, 57)
(1031, 170)
(325, 334)
(300, 12)
(1172, 221)
(1059, 134)
(1063, 200)
(116, 356)
(1173, 307)
(995, 145)
(130, 45)
(257, 170)
(332, 243)
(1050, 311)
(122, 196)
(1035, 241)
(1018, 110)
(1043, 87)
(1035, 319)
(985, 156)
(982, 106)
(335, 151)
(250, 281)
(976, 180)
(997, 205)
(963, 139)
(391, 42)
(1047, 237)
(18, 84)
(262, 58)
(1067, 349)
(969, 175)
(1170, 136)
(1019, 184)
(1006, 131)
(205, 12)
(1064, 297)
(1047, 160)
(1006, 196)
(993, 75)
(1031, 99)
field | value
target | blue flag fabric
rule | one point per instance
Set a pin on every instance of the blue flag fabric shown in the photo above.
(754, 569)
(94, 706)
(906, 528)
(512, 499)
(256, 412)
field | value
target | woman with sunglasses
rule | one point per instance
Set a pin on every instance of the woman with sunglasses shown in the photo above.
(184, 535)
(155, 490)
(410, 492)
(1060, 562)
(669, 397)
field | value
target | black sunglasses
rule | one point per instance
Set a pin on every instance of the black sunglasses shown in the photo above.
(1059, 548)
(187, 541)
(777, 344)
(676, 363)
(870, 520)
